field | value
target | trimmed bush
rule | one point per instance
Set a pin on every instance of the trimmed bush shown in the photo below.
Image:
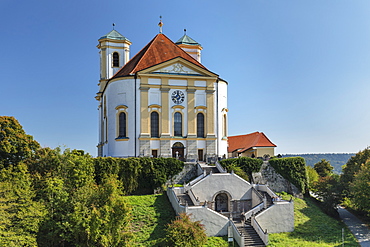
(138, 175)
(293, 169)
(242, 166)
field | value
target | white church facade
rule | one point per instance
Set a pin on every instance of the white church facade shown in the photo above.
(160, 103)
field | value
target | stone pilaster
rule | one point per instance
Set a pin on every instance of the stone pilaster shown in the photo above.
(144, 148)
(165, 149)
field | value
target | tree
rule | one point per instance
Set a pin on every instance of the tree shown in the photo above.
(352, 167)
(360, 189)
(20, 215)
(15, 144)
(323, 168)
(312, 176)
(101, 216)
(185, 233)
(329, 189)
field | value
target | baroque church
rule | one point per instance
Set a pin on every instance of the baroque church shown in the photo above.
(163, 102)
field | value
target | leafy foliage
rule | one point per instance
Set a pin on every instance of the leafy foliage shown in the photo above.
(323, 168)
(329, 189)
(248, 166)
(15, 144)
(360, 189)
(138, 174)
(20, 215)
(293, 169)
(352, 167)
(312, 176)
(185, 232)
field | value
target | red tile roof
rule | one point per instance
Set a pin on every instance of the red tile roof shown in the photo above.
(244, 142)
(160, 49)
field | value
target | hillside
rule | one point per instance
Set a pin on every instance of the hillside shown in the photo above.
(337, 160)
(151, 214)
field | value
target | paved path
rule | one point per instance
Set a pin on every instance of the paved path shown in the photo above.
(359, 229)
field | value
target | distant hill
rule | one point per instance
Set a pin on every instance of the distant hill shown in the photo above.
(336, 160)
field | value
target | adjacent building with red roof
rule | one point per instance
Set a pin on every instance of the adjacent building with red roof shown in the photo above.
(251, 145)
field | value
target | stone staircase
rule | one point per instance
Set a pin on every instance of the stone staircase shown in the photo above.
(268, 198)
(251, 237)
(208, 169)
(185, 200)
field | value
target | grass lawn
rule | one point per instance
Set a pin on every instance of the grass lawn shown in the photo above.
(152, 213)
(312, 228)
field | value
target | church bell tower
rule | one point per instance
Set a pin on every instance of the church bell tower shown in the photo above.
(114, 53)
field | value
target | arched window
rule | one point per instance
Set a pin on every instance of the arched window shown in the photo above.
(177, 124)
(122, 131)
(200, 125)
(154, 124)
(224, 130)
(115, 59)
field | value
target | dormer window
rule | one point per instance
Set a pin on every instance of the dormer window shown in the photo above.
(115, 59)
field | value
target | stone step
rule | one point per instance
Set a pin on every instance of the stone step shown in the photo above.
(185, 198)
(251, 237)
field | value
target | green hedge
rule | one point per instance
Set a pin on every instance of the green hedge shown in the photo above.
(293, 169)
(246, 164)
(138, 175)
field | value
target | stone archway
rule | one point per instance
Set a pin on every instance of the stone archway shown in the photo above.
(222, 201)
(178, 150)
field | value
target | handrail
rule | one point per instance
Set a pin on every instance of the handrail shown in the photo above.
(258, 193)
(254, 210)
(266, 188)
(194, 181)
(192, 197)
(238, 236)
(262, 234)
(220, 168)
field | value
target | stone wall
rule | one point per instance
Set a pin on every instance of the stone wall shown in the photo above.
(277, 218)
(275, 181)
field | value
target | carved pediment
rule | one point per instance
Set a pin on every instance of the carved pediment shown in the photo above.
(177, 68)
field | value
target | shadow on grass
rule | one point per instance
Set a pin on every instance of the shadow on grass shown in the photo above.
(164, 214)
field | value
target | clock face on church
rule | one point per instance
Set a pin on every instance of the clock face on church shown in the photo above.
(178, 97)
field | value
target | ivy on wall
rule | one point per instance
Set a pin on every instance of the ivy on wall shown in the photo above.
(293, 169)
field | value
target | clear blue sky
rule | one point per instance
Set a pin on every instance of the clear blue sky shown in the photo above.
(299, 71)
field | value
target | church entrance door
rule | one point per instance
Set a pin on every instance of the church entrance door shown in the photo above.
(178, 151)
(221, 202)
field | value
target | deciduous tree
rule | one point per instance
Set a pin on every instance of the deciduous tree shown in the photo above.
(323, 168)
(360, 189)
(15, 144)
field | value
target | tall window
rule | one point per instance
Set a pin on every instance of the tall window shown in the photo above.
(200, 125)
(122, 125)
(115, 59)
(154, 124)
(224, 130)
(177, 124)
